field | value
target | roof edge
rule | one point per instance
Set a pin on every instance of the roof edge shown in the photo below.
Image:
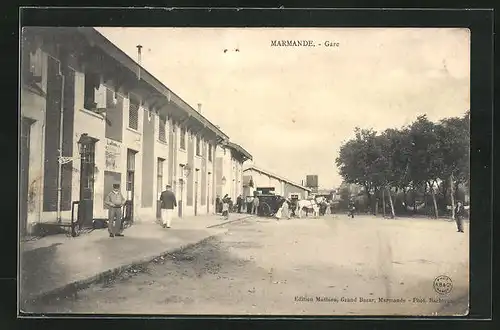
(253, 167)
(111, 49)
(240, 149)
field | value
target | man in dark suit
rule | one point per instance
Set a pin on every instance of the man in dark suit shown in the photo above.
(459, 213)
(239, 202)
(168, 203)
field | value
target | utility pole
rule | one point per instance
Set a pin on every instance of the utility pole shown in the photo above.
(61, 137)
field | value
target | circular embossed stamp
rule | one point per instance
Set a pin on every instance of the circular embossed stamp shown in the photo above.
(443, 284)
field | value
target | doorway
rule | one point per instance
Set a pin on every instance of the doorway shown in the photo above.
(24, 174)
(208, 194)
(159, 186)
(130, 183)
(196, 192)
(87, 178)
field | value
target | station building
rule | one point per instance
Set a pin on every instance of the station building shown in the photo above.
(258, 179)
(230, 159)
(91, 116)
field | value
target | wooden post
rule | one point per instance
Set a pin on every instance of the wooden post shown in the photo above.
(383, 201)
(434, 201)
(452, 198)
(393, 215)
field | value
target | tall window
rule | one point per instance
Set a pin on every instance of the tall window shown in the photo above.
(198, 147)
(133, 115)
(183, 138)
(161, 130)
(209, 152)
(130, 170)
(92, 82)
(32, 66)
(159, 175)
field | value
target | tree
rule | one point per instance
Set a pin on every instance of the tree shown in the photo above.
(423, 157)
(426, 162)
(454, 139)
(355, 161)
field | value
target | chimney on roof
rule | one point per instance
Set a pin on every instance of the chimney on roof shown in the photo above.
(139, 53)
(199, 108)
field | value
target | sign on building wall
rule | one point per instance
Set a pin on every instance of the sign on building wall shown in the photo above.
(113, 154)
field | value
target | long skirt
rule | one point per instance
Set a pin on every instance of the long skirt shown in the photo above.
(278, 214)
(285, 211)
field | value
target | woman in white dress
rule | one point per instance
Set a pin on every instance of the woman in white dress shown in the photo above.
(225, 208)
(285, 212)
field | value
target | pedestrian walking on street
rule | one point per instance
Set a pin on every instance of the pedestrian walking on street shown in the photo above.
(239, 201)
(332, 207)
(459, 213)
(352, 208)
(249, 202)
(255, 206)
(286, 209)
(283, 211)
(168, 203)
(115, 201)
(218, 205)
(225, 207)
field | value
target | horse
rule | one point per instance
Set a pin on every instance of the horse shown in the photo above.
(309, 205)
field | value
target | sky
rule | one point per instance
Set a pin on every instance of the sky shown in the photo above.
(293, 107)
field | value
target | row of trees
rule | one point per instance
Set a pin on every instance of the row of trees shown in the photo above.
(424, 156)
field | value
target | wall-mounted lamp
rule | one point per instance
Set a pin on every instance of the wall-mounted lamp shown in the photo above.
(115, 98)
(84, 142)
(223, 180)
(186, 169)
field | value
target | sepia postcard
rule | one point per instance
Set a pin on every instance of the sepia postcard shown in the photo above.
(244, 171)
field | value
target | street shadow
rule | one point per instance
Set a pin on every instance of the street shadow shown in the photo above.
(37, 266)
(204, 262)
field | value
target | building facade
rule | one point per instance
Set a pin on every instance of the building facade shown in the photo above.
(257, 179)
(92, 117)
(230, 159)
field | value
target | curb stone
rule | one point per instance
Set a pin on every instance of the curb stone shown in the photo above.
(229, 221)
(74, 287)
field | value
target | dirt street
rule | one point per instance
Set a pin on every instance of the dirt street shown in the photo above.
(326, 266)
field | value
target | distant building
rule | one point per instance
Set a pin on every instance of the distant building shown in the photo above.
(312, 182)
(257, 179)
(229, 169)
(326, 192)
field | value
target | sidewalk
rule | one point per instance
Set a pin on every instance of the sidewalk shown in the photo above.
(56, 263)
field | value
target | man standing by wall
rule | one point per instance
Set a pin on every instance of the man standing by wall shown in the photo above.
(459, 213)
(168, 203)
(114, 201)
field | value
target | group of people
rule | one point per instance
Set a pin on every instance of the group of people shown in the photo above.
(225, 205)
(115, 201)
